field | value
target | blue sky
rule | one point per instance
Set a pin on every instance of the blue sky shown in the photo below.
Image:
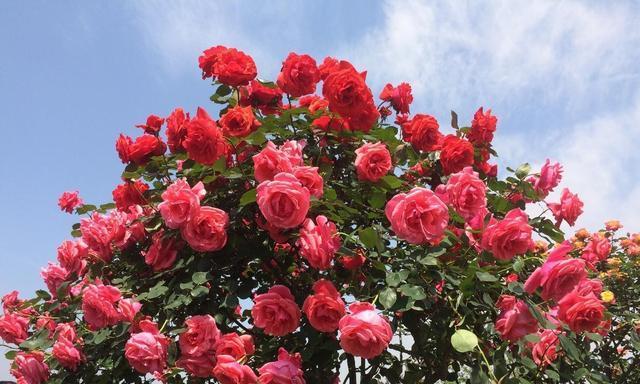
(563, 78)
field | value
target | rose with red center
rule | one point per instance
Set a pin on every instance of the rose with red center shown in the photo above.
(318, 242)
(69, 201)
(581, 311)
(456, 154)
(515, 320)
(141, 150)
(204, 142)
(177, 130)
(276, 311)
(400, 97)
(284, 201)
(99, 306)
(237, 346)
(483, 127)
(286, 370)
(206, 232)
(418, 217)
(325, 307)
(129, 193)
(465, 192)
(146, 351)
(153, 125)
(181, 203)
(299, 75)
(373, 161)
(422, 132)
(508, 237)
(364, 332)
(568, 209)
(30, 368)
(239, 122)
(267, 99)
(208, 59)
(231, 66)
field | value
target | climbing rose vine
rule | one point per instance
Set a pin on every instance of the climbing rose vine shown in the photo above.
(309, 233)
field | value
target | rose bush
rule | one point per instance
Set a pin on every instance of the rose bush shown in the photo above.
(304, 237)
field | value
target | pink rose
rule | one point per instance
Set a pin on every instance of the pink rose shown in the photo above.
(597, 249)
(234, 345)
(102, 232)
(373, 161)
(544, 351)
(146, 350)
(550, 176)
(269, 162)
(197, 365)
(229, 371)
(30, 368)
(99, 306)
(13, 328)
(10, 301)
(67, 354)
(287, 370)
(162, 253)
(69, 201)
(129, 308)
(54, 276)
(508, 237)
(284, 202)
(180, 203)
(418, 217)
(310, 179)
(276, 311)
(515, 320)
(558, 275)
(201, 335)
(66, 331)
(293, 150)
(364, 332)
(465, 192)
(318, 242)
(568, 209)
(207, 232)
(325, 307)
(581, 311)
(71, 256)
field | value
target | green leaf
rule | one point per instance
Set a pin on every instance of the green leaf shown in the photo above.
(415, 292)
(157, 290)
(200, 291)
(570, 347)
(454, 120)
(86, 208)
(464, 341)
(44, 295)
(39, 340)
(378, 199)
(388, 297)
(523, 171)
(395, 278)
(10, 355)
(248, 197)
(392, 182)
(486, 276)
(428, 260)
(553, 375)
(199, 278)
(368, 237)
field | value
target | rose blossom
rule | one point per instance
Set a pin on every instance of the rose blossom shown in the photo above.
(580, 311)
(71, 256)
(153, 124)
(66, 353)
(364, 332)
(231, 66)
(286, 370)
(207, 232)
(299, 75)
(146, 350)
(177, 129)
(418, 217)
(267, 100)
(54, 275)
(13, 328)
(30, 368)
(204, 142)
(180, 202)
(508, 237)
(10, 301)
(422, 132)
(276, 311)
(465, 192)
(269, 162)
(456, 154)
(237, 346)
(284, 202)
(128, 309)
(515, 320)
(550, 176)
(373, 161)
(544, 351)
(129, 193)
(201, 335)
(293, 150)
(483, 127)
(162, 253)
(318, 242)
(558, 275)
(69, 201)
(325, 307)
(400, 97)
(197, 365)
(597, 249)
(310, 179)
(229, 371)
(568, 209)
(102, 232)
(239, 121)
(141, 150)
(99, 305)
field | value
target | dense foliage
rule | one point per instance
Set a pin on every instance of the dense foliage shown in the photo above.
(307, 237)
